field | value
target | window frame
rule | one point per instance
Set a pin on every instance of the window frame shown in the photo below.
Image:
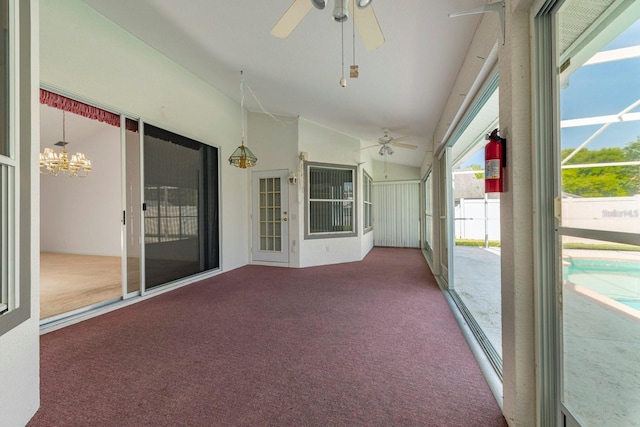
(17, 235)
(367, 202)
(7, 179)
(330, 234)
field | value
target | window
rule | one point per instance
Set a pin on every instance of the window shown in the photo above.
(428, 214)
(7, 169)
(330, 201)
(15, 150)
(367, 188)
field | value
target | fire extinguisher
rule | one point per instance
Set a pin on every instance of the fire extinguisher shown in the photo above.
(495, 159)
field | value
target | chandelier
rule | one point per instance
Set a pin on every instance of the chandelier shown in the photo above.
(243, 157)
(52, 162)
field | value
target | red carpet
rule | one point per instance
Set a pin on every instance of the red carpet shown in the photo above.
(371, 343)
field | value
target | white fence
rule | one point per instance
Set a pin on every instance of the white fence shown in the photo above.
(477, 218)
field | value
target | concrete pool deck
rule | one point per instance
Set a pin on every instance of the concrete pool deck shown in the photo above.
(601, 338)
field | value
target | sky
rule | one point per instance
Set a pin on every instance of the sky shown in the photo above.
(598, 90)
(603, 89)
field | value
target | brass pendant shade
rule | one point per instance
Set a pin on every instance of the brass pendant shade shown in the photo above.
(243, 157)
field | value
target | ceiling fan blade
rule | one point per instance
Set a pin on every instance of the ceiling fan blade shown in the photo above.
(401, 145)
(291, 18)
(370, 146)
(402, 138)
(368, 27)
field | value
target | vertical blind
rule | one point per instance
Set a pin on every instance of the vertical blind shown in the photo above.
(331, 200)
(396, 214)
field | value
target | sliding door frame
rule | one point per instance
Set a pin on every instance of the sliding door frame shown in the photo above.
(127, 218)
(546, 134)
(143, 257)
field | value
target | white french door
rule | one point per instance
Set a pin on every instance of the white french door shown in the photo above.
(270, 226)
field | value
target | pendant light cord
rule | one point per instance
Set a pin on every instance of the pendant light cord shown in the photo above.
(353, 31)
(64, 138)
(242, 105)
(342, 24)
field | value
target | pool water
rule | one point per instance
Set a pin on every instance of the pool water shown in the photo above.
(633, 304)
(615, 279)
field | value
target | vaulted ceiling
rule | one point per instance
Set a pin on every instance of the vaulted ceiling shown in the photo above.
(403, 85)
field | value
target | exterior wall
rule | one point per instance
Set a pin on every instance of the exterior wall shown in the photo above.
(85, 55)
(20, 347)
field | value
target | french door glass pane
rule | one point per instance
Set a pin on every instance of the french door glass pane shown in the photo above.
(270, 215)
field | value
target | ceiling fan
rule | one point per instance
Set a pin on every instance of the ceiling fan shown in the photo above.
(364, 16)
(387, 142)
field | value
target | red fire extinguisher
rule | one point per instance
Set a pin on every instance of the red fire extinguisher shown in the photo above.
(495, 159)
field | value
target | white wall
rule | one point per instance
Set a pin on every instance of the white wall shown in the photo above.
(275, 143)
(324, 145)
(20, 347)
(82, 215)
(394, 172)
(86, 55)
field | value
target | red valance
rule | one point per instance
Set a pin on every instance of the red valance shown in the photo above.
(85, 110)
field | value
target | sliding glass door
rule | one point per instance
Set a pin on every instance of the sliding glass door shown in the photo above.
(132, 207)
(181, 226)
(598, 204)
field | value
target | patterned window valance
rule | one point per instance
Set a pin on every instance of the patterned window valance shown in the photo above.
(85, 110)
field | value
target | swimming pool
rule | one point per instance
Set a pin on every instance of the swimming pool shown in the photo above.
(613, 278)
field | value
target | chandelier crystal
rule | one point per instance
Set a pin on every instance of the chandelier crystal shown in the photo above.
(53, 163)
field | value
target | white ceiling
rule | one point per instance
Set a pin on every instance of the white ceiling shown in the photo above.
(403, 85)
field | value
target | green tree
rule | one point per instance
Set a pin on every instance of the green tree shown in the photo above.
(478, 168)
(609, 181)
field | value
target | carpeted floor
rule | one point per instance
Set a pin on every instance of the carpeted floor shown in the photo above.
(371, 343)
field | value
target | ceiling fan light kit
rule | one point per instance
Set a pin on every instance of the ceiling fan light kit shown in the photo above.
(363, 15)
(319, 4)
(341, 11)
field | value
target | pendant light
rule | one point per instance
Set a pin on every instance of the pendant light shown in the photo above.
(243, 157)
